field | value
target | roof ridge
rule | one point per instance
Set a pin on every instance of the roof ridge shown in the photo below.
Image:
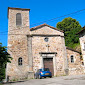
(33, 28)
(81, 31)
(18, 8)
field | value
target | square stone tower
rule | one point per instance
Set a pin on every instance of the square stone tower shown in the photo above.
(18, 29)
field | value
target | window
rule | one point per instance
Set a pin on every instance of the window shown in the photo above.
(20, 61)
(72, 59)
(83, 63)
(18, 19)
(84, 46)
(46, 39)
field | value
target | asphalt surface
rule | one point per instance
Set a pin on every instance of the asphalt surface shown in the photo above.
(63, 80)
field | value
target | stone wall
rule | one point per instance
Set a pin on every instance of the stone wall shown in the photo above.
(45, 30)
(76, 67)
(12, 18)
(82, 44)
(18, 45)
(56, 44)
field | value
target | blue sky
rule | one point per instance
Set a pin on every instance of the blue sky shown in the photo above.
(41, 10)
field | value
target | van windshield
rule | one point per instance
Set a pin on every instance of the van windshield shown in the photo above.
(44, 69)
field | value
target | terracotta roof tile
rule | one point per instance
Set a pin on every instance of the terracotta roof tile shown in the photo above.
(81, 31)
(73, 50)
(34, 28)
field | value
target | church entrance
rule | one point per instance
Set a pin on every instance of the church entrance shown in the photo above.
(48, 60)
(48, 63)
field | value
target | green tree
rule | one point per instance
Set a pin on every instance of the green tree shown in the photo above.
(70, 27)
(4, 58)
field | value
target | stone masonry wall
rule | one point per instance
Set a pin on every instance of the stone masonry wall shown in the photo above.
(45, 30)
(56, 45)
(82, 44)
(76, 67)
(17, 45)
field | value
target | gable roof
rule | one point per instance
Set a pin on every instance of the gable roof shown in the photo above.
(81, 31)
(73, 50)
(34, 28)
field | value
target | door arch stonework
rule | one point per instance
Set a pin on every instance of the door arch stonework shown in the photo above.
(49, 55)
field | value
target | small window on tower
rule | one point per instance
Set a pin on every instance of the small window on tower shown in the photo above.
(72, 59)
(83, 63)
(20, 61)
(84, 46)
(18, 19)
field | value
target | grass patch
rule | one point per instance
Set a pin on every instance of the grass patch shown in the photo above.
(1, 84)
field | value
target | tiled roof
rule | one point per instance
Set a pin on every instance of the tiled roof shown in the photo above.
(18, 8)
(73, 50)
(34, 28)
(81, 30)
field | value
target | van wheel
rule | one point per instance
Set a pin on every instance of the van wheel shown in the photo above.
(50, 76)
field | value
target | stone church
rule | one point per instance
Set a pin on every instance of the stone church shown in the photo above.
(38, 47)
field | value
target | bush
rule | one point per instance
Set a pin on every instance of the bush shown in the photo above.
(4, 58)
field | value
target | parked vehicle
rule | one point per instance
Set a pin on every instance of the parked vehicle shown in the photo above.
(44, 72)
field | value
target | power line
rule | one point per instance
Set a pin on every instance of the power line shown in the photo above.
(60, 16)
(49, 20)
(14, 34)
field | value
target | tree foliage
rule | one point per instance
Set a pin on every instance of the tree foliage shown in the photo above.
(4, 58)
(70, 27)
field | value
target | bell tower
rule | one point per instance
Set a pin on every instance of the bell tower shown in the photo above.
(18, 29)
(18, 18)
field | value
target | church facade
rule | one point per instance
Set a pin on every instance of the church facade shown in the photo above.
(38, 47)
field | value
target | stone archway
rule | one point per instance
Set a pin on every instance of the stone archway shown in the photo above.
(49, 60)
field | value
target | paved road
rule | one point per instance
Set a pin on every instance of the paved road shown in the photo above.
(65, 80)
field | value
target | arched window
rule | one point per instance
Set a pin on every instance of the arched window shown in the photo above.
(72, 59)
(18, 19)
(20, 61)
(82, 63)
(84, 46)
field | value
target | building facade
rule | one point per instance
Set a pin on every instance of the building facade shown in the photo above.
(82, 45)
(37, 47)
